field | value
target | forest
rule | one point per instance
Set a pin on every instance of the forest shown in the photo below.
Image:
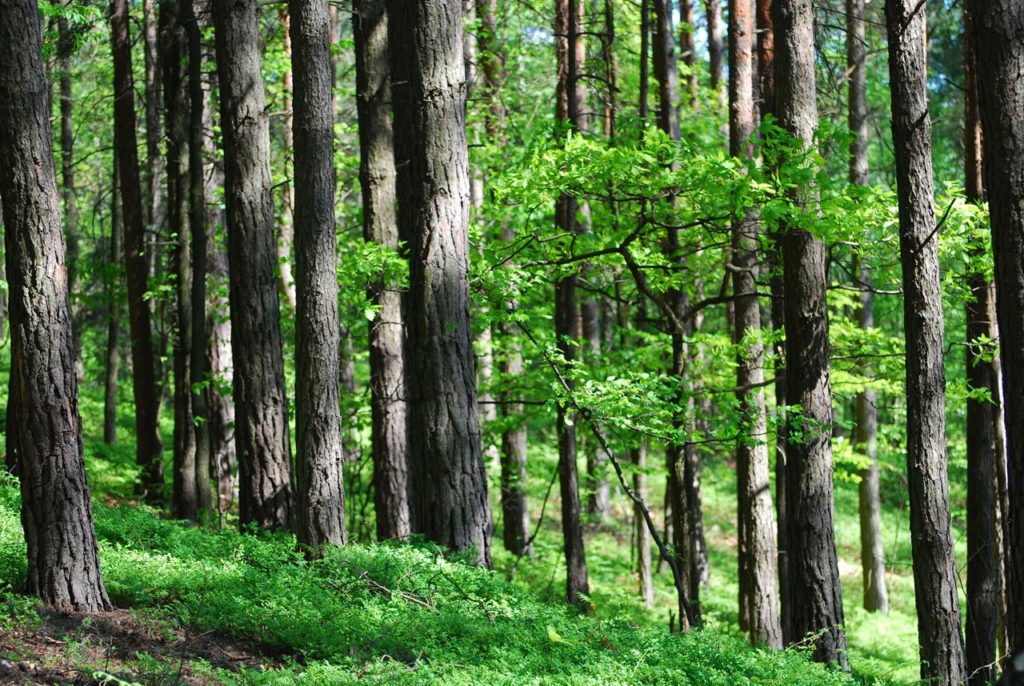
(507, 342)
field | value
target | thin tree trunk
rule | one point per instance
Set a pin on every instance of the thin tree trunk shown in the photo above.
(63, 564)
(154, 134)
(111, 368)
(813, 568)
(67, 173)
(428, 96)
(261, 425)
(1000, 64)
(286, 227)
(716, 45)
(391, 478)
(319, 455)
(149, 446)
(935, 580)
(688, 49)
(643, 536)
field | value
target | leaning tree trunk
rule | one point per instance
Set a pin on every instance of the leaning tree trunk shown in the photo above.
(63, 564)
(261, 418)
(147, 396)
(935, 579)
(1000, 66)
(754, 492)
(865, 433)
(813, 567)
(429, 96)
(319, 455)
(391, 478)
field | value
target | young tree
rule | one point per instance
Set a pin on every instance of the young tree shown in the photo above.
(813, 568)
(432, 185)
(147, 396)
(65, 49)
(112, 356)
(716, 45)
(935, 580)
(1000, 61)
(261, 423)
(286, 226)
(319, 458)
(63, 564)
(757, 550)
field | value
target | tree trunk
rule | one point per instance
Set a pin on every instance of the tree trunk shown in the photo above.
(428, 95)
(1000, 61)
(63, 564)
(286, 227)
(319, 455)
(261, 424)
(391, 478)
(757, 561)
(938, 605)
(812, 564)
(149, 447)
(111, 368)
(688, 49)
(642, 534)
(153, 67)
(67, 173)
(716, 46)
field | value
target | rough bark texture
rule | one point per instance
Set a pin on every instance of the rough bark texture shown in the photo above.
(391, 479)
(261, 422)
(816, 596)
(757, 556)
(112, 356)
(56, 513)
(935, 591)
(429, 96)
(319, 455)
(148, 444)
(569, 100)
(999, 41)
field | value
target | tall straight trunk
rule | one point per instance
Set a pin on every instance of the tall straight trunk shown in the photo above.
(1000, 63)
(813, 567)
(261, 420)
(63, 564)
(429, 96)
(984, 582)
(154, 133)
(865, 432)
(112, 356)
(757, 558)
(391, 478)
(199, 340)
(319, 455)
(935, 579)
(569, 102)
(184, 500)
(688, 48)
(716, 45)
(514, 510)
(65, 48)
(642, 534)
(147, 397)
(286, 227)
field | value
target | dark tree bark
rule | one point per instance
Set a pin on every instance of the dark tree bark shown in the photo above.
(1000, 72)
(569, 101)
(757, 556)
(813, 568)
(687, 48)
(319, 455)
(261, 423)
(391, 478)
(65, 48)
(428, 95)
(56, 513)
(149, 447)
(112, 356)
(865, 432)
(716, 45)
(935, 591)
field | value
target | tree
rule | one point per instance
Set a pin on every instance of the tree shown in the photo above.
(716, 46)
(935, 580)
(63, 563)
(112, 356)
(149, 447)
(432, 186)
(319, 457)
(65, 49)
(1000, 61)
(757, 547)
(813, 569)
(261, 414)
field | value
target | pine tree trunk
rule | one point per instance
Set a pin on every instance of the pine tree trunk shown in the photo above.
(935, 580)
(319, 455)
(147, 397)
(716, 46)
(1000, 62)
(391, 477)
(688, 48)
(812, 563)
(112, 356)
(63, 564)
(261, 422)
(428, 95)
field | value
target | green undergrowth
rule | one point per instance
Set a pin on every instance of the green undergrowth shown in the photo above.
(390, 614)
